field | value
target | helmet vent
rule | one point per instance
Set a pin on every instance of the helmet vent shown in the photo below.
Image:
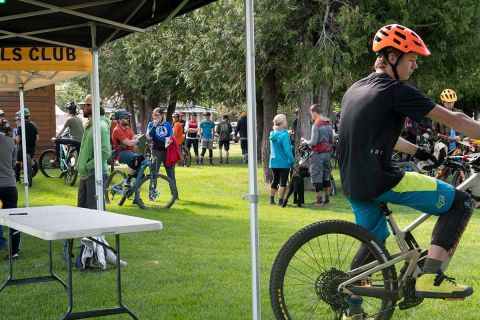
(397, 41)
(401, 35)
(384, 33)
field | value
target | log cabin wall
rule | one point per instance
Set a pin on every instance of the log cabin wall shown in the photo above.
(41, 103)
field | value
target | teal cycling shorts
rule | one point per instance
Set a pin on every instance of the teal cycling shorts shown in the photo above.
(418, 191)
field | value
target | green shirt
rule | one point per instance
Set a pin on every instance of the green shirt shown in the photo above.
(86, 161)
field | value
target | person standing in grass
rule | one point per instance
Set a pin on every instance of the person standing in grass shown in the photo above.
(281, 158)
(87, 192)
(8, 189)
(207, 127)
(191, 129)
(224, 131)
(321, 142)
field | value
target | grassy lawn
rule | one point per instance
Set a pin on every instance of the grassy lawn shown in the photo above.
(198, 267)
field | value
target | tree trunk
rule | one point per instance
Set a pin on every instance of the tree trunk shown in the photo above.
(143, 114)
(131, 109)
(270, 107)
(172, 104)
(259, 127)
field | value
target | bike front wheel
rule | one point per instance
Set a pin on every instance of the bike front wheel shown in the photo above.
(70, 174)
(313, 263)
(156, 192)
(45, 164)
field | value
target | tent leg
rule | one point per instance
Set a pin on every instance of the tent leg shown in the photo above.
(252, 160)
(97, 142)
(24, 142)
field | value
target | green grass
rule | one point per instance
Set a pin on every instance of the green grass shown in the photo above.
(198, 267)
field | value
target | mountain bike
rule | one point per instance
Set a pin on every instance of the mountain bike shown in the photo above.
(186, 159)
(319, 267)
(66, 166)
(147, 191)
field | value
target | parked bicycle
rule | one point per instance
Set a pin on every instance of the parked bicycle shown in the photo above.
(66, 166)
(147, 191)
(313, 275)
(186, 158)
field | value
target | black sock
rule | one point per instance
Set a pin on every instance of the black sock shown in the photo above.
(327, 198)
(272, 199)
(280, 201)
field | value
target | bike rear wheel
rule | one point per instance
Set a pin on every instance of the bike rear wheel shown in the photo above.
(186, 160)
(45, 164)
(113, 185)
(312, 264)
(160, 192)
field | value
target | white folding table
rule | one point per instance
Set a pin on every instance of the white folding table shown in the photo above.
(67, 223)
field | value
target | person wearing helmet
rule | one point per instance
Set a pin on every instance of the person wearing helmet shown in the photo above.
(178, 128)
(448, 98)
(4, 125)
(31, 138)
(123, 141)
(373, 113)
(74, 125)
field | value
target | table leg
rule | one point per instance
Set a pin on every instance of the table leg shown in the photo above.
(50, 267)
(10, 261)
(121, 309)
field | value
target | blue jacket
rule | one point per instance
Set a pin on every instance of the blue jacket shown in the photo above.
(281, 155)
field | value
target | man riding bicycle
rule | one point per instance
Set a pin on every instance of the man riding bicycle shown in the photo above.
(75, 126)
(123, 141)
(31, 138)
(373, 113)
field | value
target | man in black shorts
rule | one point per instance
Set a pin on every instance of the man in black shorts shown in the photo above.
(373, 113)
(224, 131)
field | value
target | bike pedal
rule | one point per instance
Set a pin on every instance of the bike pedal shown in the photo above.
(453, 299)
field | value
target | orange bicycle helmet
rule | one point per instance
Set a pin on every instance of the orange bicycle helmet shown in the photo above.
(448, 95)
(399, 37)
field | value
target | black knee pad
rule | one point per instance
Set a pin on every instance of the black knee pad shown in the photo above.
(318, 187)
(136, 161)
(451, 224)
(327, 183)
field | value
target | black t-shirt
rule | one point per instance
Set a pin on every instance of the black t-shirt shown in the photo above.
(373, 114)
(31, 132)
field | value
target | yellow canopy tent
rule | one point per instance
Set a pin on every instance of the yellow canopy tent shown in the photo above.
(26, 68)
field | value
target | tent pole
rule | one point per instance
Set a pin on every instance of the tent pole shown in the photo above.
(252, 159)
(24, 142)
(97, 143)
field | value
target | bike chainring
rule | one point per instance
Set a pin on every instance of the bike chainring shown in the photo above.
(409, 300)
(326, 287)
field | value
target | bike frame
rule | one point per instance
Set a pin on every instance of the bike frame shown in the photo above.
(117, 188)
(410, 252)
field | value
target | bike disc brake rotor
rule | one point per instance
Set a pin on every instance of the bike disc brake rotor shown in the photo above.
(326, 287)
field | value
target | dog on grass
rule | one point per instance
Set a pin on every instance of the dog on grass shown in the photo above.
(296, 186)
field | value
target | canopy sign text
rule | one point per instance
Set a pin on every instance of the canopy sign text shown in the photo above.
(45, 59)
